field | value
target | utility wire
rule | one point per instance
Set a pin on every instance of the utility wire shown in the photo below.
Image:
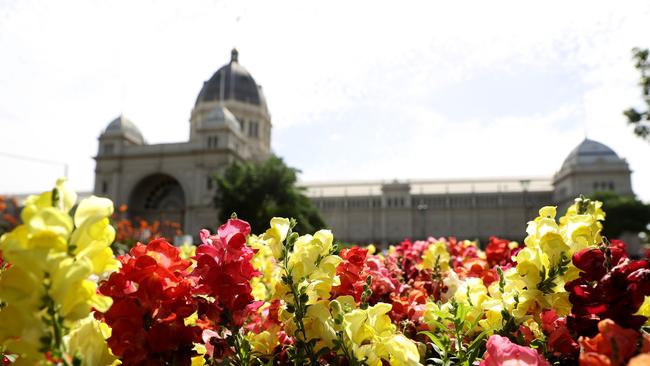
(37, 160)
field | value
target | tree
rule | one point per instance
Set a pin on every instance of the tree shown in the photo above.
(641, 119)
(257, 192)
(624, 213)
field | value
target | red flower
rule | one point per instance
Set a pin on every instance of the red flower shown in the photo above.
(353, 271)
(498, 252)
(559, 341)
(350, 272)
(592, 261)
(477, 267)
(151, 298)
(501, 351)
(223, 272)
(600, 293)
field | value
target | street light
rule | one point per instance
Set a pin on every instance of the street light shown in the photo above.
(422, 207)
(525, 183)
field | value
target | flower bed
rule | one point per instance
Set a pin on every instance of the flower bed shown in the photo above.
(566, 296)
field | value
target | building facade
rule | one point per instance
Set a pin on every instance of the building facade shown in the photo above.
(386, 212)
(230, 122)
(173, 181)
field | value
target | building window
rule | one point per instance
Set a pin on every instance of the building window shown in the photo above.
(108, 149)
(104, 187)
(209, 183)
(213, 142)
(611, 186)
(253, 128)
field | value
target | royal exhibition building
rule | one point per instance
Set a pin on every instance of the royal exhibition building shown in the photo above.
(230, 122)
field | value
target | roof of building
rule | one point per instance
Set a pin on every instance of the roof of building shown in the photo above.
(590, 152)
(232, 82)
(221, 116)
(122, 125)
(429, 186)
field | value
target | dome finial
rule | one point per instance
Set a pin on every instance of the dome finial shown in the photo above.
(234, 55)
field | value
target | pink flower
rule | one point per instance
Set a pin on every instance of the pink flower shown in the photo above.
(502, 352)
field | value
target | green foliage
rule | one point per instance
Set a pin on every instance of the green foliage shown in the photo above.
(624, 213)
(547, 284)
(258, 192)
(455, 342)
(641, 119)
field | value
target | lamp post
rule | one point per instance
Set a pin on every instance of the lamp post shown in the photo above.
(525, 183)
(422, 208)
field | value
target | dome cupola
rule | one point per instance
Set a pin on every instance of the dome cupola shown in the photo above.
(232, 82)
(590, 152)
(589, 168)
(123, 127)
(221, 117)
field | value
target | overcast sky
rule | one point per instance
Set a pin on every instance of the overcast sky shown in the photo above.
(357, 90)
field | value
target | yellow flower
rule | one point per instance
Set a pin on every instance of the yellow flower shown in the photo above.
(302, 262)
(530, 261)
(20, 286)
(582, 230)
(276, 235)
(73, 292)
(342, 305)
(88, 340)
(371, 249)
(65, 200)
(356, 327)
(264, 261)
(323, 278)
(493, 317)
(436, 254)
(401, 351)
(21, 332)
(264, 342)
(644, 309)
(308, 251)
(187, 251)
(94, 234)
(201, 351)
(372, 336)
(472, 292)
(54, 268)
(319, 325)
(67, 196)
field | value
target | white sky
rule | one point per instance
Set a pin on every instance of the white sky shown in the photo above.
(357, 90)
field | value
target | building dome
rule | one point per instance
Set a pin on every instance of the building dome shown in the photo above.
(123, 126)
(221, 116)
(590, 152)
(232, 82)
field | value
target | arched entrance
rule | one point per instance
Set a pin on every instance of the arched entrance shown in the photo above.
(158, 197)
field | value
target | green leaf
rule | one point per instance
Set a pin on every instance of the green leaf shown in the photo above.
(435, 341)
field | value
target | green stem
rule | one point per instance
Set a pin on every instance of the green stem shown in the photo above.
(242, 355)
(350, 357)
(57, 329)
(299, 309)
(299, 314)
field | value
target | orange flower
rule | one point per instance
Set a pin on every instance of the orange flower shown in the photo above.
(613, 342)
(594, 359)
(640, 360)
